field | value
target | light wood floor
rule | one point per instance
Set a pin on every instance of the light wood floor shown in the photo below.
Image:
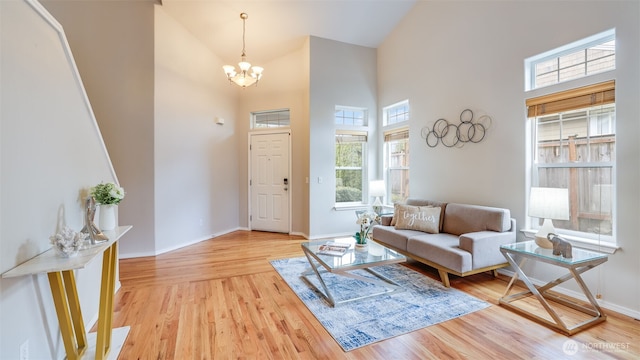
(221, 299)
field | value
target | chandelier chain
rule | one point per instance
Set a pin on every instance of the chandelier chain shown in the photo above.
(244, 24)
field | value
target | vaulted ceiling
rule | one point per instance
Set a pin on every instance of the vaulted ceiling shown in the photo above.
(277, 27)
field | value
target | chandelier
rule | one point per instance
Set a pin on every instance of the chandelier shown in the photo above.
(243, 78)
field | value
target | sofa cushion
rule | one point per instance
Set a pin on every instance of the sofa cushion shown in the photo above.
(422, 218)
(462, 218)
(441, 205)
(441, 249)
(396, 238)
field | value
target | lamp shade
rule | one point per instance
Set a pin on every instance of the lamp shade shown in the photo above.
(376, 188)
(549, 203)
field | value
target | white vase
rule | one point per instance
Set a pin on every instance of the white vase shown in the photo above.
(108, 217)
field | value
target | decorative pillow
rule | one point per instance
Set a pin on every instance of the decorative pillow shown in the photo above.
(422, 218)
(394, 219)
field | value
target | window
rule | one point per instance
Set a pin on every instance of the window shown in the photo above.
(585, 57)
(396, 113)
(350, 159)
(351, 150)
(270, 119)
(396, 151)
(396, 164)
(350, 116)
(574, 148)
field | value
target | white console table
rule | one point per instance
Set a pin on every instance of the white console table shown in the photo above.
(65, 294)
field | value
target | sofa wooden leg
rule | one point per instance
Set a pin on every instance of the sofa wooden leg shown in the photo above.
(495, 273)
(444, 277)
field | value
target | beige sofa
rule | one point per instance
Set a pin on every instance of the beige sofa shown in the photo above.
(457, 239)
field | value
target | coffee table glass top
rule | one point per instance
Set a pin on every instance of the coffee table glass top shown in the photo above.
(374, 255)
(530, 248)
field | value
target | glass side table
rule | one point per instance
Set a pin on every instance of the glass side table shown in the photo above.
(581, 261)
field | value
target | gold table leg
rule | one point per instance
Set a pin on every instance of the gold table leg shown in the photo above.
(105, 312)
(65, 299)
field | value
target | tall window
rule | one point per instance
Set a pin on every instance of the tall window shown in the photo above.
(270, 119)
(350, 171)
(396, 151)
(396, 164)
(574, 148)
(585, 57)
(351, 151)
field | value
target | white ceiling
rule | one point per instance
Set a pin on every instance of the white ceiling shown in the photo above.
(277, 27)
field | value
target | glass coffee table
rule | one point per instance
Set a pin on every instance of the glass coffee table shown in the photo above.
(345, 264)
(581, 261)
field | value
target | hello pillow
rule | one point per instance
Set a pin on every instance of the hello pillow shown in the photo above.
(422, 218)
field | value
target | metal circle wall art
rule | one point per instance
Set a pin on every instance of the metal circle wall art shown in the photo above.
(450, 135)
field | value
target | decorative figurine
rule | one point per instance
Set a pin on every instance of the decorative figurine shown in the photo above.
(560, 246)
(89, 226)
(67, 242)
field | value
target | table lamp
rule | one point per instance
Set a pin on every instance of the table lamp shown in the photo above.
(377, 189)
(548, 204)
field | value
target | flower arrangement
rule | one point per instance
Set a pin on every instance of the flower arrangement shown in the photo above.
(366, 221)
(107, 194)
(67, 242)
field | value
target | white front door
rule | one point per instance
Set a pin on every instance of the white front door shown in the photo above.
(269, 182)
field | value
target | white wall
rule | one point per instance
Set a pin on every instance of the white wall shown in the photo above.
(196, 165)
(114, 46)
(157, 94)
(341, 74)
(470, 55)
(51, 153)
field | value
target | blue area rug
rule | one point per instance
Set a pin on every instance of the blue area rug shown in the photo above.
(424, 302)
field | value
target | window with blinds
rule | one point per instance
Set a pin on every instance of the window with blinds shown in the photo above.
(396, 164)
(585, 57)
(574, 148)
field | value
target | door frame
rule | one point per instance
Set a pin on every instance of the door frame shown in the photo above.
(249, 163)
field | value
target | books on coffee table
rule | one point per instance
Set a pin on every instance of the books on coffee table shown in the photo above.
(333, 248)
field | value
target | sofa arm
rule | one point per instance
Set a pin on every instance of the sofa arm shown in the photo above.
(386, 219)
(484, 246)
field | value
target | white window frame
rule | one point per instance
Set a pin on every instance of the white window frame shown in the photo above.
(355, 128)
(280, 116)
(584, 44)
(353, 109)
(390, 119)
(362, 168)
(388, 168)
(591, 240)
(389, 126)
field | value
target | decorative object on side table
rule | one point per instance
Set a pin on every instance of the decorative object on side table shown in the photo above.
(108, 196)
(67, 242)
(366, 220)
(90, 228)
(560, 246)
(547, 204)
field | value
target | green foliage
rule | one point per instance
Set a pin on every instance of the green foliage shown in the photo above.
(107, 194)
(348, 194)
